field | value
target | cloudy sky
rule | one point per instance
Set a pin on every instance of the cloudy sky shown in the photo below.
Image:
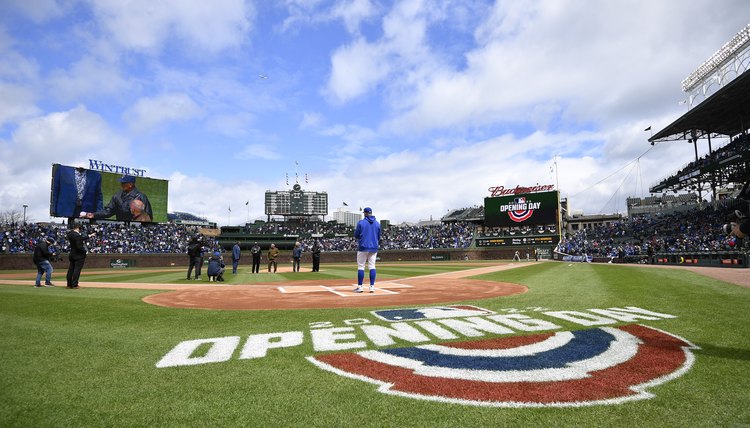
(411, 107)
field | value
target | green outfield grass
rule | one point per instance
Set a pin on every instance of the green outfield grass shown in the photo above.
(88, 357)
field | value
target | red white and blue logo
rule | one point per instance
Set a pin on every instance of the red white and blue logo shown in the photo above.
(521, 211)
(431, 313)
(606, 365)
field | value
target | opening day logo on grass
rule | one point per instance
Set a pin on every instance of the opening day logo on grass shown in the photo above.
(601, 364)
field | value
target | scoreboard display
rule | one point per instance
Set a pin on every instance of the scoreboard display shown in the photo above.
(96, 191)
(529, 209)
(296, 202)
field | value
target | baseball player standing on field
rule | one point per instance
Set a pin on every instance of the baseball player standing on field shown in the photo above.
(367, 234)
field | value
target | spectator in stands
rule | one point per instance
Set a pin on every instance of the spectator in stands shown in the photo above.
(741, 230)
(273, 252)
(236, 253)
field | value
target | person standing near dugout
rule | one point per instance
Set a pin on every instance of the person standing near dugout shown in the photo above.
(367, 234)
(273, 252)
(296, 256)
(236, 253)
(316, 248)
(255, 251)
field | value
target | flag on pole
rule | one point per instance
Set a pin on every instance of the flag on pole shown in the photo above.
(647, 129)
(247, 203)
(345, 204)
(229, 208)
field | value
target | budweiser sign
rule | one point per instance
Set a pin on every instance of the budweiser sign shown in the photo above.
(519, 190)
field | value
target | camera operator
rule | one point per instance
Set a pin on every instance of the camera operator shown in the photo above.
(740, 230)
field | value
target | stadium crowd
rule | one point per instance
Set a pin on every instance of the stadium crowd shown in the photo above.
(692, 231)
(738, 145)
(116, 238)
(119, 238)
(695, 230)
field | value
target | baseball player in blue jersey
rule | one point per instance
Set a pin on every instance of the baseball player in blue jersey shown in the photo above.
(367, 234)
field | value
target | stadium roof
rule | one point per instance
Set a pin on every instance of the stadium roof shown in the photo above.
(725, 113)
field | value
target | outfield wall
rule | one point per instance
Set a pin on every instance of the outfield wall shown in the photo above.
(23, 261)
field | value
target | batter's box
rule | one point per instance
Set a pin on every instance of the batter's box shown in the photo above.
(378, 286)
(290, 289)
(348, 291)
(381, 289)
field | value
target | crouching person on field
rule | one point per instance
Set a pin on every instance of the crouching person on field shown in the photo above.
(216, 267)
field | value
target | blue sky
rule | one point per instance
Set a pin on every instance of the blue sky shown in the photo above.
(410, 107)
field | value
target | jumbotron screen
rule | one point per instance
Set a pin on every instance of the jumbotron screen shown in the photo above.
(529, 209)
(79, 190)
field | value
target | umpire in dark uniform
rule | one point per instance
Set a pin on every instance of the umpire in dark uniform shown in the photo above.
(195, 252)
(119, 205)
(77, 255)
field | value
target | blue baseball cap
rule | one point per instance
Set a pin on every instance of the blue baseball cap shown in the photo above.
(127, 179)
(368, 210)
(216, 253)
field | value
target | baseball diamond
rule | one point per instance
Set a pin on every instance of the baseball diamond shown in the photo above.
(374, 213)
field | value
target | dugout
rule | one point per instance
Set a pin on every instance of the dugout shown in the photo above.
(728, 259)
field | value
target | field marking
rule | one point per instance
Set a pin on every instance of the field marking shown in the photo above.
(292, 289)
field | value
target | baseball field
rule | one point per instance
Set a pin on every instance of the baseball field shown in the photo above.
(488, 343)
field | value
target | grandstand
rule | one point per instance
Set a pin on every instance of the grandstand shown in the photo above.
(665, 204)
(179, 217)
(473, 214)
(718, 93)
(685, 228)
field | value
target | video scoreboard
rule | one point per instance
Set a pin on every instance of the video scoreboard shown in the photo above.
(528, 209)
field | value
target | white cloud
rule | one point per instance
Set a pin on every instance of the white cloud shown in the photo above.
(311, 120)
(145, 25)
(258, 151)
(87, 78)
(215, 198)
(150, 113)
(16, 103)
(356, 69)
(352, 13)
(69, 138)
(232, 125)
